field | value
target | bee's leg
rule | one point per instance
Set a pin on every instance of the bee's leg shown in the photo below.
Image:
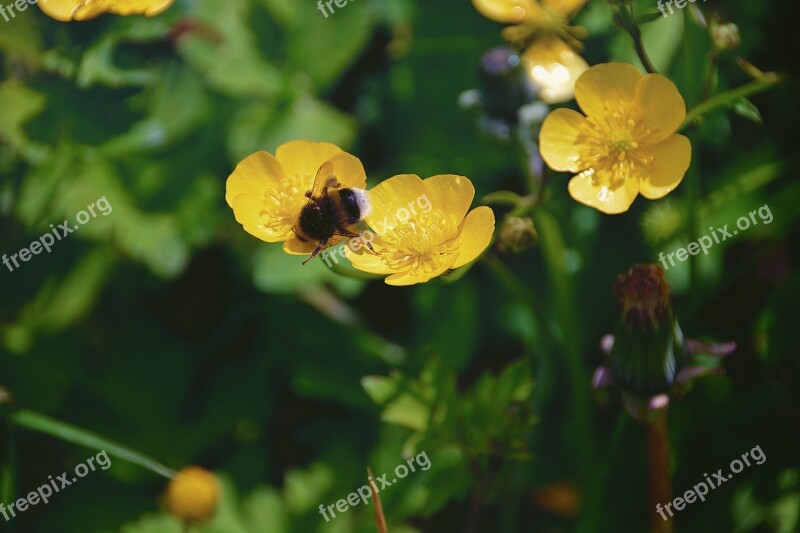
(319, 247)
(344, 232)
(347, 233)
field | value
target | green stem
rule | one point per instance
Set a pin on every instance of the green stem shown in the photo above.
(641, 52)
(516, 288)
(69, 433)
(626, 20)
(597, 490)
(727, 98)
(693, 197)
(712, 70)
(568, 319)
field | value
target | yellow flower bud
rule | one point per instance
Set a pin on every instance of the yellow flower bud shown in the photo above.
(725, 36)
(192, 495)
(516, 234)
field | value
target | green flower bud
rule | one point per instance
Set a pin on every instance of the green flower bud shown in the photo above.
(516, 234)
(648, 349)
(724, 36)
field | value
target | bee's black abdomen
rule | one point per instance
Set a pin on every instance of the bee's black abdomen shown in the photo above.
(316, 220)
(350, 205)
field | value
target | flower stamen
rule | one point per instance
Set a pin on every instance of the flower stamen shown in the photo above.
(421, 244)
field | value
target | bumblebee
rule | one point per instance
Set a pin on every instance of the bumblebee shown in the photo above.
(331, 210)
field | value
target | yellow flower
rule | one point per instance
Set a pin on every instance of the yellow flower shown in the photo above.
(267, 193)
(67, 10)
(193, 494)
(625, 145)
(541, 28)
(423, 228)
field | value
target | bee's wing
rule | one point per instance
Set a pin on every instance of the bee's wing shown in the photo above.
(324, 181)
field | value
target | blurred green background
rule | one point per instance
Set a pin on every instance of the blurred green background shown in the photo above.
(167, 328)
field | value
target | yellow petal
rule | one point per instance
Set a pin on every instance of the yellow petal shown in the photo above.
(253, 175)
(88, 12)
(507, 11)
(148, 8)
(607, 82)
(66, 10)
(450, 193)
(62, 10)
(303, 159)
(366, 261)
(476, 234)
(391, 196)
(564, 7)
(249, 210)
(419, 275)
(554, 68)
(602, 197)
(662, 107)
(295, 246)
(558, 140)
(671, 161)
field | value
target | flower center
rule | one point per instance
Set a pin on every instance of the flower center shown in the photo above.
(607, 145)
(422, 243)
(279, 204)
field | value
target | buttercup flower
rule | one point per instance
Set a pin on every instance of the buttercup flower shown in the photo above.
(67, 10)
(540, 28)
(625, 145)
(267, 193)
(193, 494)
(420, 240)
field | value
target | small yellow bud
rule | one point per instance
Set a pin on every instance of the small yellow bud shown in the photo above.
(725, 36)
(516, 234)
(193, 494)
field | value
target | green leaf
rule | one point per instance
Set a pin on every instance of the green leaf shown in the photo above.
(75, 435)
(260, 127)
(20, 104)
(407, 411)
(305, 489)
(277, 272)
(323, 48)
(379, 388)
(176, 104)
(39, 186)
(287, 12)
(97, 66)
(457, 303)
(747, 109)
(231, 62)
(716, 130)
(63, 303)
(649, 17)
(22, 40)
(264, 512)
